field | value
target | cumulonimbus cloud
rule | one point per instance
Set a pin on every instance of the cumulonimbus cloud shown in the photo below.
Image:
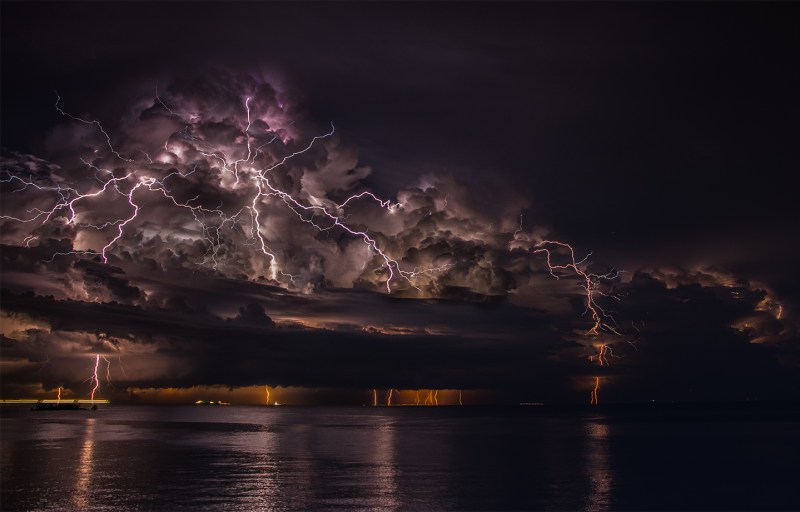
(221, 180)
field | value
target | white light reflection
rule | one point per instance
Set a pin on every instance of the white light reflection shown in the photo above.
(385, 476)
(83, 484)
(260, 485)
(598, 467)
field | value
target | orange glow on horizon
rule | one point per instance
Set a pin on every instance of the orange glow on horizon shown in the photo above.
(246, 395)
(414, 397)
(261, 394)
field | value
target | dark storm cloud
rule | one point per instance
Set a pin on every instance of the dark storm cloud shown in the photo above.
(191, 174)
(685, 348)
(204, 349)
(695, 346)
(639, 131)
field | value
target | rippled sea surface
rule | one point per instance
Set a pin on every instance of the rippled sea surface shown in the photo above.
(445, 458)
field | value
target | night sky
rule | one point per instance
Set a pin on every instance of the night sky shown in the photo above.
(660, 138)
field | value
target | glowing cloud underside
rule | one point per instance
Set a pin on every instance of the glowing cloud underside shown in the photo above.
(239, 182)
(224, 180)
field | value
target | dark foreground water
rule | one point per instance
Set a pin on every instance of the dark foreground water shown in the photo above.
(530, 458)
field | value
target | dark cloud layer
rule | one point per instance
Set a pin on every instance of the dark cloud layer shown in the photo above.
(634, 130)
(684, 348)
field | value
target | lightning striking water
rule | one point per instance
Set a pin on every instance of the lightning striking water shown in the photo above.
(59, 395)
(593, 399)
(95, 380)
(402, 397)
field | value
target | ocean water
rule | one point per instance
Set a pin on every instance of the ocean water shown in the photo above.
(734, 457)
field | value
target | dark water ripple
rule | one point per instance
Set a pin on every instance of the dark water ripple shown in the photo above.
(121, 458)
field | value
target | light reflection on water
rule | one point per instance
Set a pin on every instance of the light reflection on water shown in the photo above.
(598, 467)
(83, 484)
(268, 458)
(384, 461)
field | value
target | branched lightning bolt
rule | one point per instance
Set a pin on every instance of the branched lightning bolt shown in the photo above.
(122, 367)
(139, 177)
(108, 372)
(137, 182)
(589, 282)
(93, 122)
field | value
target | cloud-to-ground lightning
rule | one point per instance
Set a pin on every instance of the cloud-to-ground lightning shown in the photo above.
(106, 203)
(602, 322)
(601, 355)
(403, 397)
(95, 380)
(593, 399)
